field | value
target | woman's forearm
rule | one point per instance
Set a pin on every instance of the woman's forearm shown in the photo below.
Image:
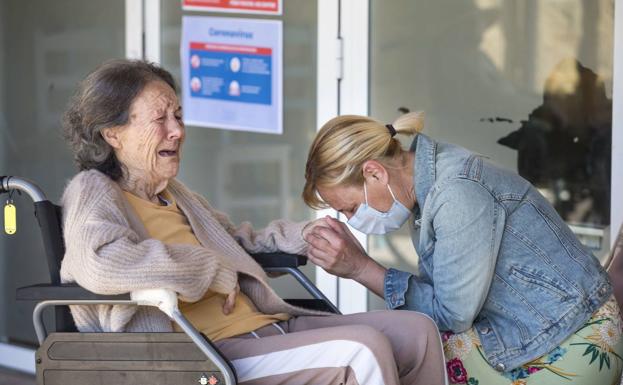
(373, 277)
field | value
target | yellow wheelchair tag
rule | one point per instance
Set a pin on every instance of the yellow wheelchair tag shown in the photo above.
(10, 218)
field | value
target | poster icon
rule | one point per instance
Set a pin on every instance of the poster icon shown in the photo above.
(234, 64)
(195, 61)
(195, 84)
(234, 88)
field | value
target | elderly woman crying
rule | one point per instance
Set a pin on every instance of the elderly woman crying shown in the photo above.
(130, 225)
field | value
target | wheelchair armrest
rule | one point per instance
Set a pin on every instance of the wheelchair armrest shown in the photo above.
(279, 259)
(314, 304)
(63, 292)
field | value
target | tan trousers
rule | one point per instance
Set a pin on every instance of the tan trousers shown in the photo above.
(382, 347)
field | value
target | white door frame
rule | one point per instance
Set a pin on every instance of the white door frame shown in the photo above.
(134, 29)
(342, 89)
(152, 28)
(354, 32)
(328, 74)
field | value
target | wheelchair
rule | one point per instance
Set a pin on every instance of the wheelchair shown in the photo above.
(67, 357)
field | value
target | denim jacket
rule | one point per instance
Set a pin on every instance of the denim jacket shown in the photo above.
(494, 254)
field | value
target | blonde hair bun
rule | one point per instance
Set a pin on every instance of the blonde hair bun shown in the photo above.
(410, 123)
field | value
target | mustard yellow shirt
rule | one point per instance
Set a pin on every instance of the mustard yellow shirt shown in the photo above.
(169, 225)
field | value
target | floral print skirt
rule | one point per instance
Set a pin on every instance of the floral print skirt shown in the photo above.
(592, 355)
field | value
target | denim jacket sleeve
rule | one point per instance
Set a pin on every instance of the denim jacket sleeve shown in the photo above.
(467, 223)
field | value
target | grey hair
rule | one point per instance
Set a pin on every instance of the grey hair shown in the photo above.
(103, 100)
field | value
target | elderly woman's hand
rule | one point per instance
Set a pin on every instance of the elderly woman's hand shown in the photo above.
(322, 222)
(230, 301)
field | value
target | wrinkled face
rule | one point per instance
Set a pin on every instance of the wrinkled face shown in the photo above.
(150, 144)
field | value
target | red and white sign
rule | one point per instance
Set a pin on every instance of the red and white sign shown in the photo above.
(268, 7)
(231, 48)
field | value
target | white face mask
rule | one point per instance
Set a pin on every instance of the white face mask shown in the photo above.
(371, 221)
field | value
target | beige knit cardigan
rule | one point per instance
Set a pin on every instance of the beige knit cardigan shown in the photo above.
(108, 251)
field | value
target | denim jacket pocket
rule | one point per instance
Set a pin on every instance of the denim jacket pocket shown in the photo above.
(539, 281)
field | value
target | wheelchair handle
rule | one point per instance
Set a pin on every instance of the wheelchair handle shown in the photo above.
(163, 299)
(8, 183)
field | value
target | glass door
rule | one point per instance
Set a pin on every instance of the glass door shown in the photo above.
(528, 84)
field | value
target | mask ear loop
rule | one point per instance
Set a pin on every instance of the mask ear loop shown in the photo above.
(365, 192)
(391, 192)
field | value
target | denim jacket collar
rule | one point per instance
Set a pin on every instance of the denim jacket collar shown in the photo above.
(423, 169)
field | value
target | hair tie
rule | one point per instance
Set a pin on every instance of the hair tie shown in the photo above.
(391, 129)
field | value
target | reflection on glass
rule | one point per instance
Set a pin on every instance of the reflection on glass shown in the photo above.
(564, 147)
(526, 83)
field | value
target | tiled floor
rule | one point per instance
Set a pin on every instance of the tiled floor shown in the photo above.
(9, 377)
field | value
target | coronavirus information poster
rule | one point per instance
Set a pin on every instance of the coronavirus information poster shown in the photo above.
(232, 73)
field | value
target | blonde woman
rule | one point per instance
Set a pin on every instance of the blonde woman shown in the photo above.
(521, 300)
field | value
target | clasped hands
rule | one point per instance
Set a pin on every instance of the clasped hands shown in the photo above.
(334, 248)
